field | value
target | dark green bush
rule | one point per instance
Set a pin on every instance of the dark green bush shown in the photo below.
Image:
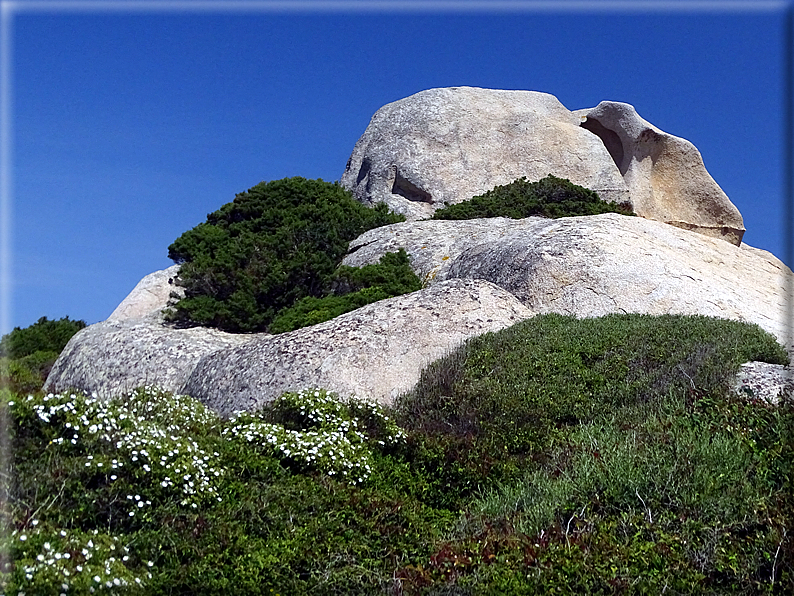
(27, 354)
(273, 245)
(352, 287)
(42, 336)
(548, 197)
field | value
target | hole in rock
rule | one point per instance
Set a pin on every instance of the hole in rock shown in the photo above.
(610, 139)
(409, 190)
(366, 166)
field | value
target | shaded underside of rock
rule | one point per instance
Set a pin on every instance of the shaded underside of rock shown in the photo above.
(112, 358)
(594, 265)
(378, 350)
(444, 146)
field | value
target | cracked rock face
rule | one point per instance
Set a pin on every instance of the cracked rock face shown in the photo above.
(378, 350)
(591, 266)
(444, 146)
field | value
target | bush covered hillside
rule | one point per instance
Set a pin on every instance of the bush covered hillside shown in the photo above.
(548, 197)
(27, 354)
(594, 456)
(274, 245)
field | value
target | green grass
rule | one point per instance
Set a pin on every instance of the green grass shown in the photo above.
(595, 456)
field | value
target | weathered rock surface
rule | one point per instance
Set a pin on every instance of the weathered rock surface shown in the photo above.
(433, 245)
(443, 146)
(113, 357)
(591, 266)
(378, 350)
(150, 296)
(765, 382)
(665, 174)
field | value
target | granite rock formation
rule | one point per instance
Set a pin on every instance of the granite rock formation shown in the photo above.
(665, 174)
(378, 350)
(114, 357)
(594, 265)
(444, 146)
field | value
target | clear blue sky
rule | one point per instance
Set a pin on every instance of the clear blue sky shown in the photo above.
(129, 127)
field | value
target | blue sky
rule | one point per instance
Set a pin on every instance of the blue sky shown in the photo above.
(128, 127)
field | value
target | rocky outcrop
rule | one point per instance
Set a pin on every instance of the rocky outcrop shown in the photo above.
(443, 146)
(665, 174)
(590, 266)
(113, 357)
(150, 296)
(378, 350)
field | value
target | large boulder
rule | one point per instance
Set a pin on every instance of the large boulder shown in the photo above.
(116, 356)
(594, 265)
(378, 350)
(444, 146)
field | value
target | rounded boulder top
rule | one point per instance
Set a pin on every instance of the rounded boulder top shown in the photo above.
(444, 146)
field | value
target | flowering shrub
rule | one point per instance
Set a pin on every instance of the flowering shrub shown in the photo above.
(314, 429)
(135, 453)
(72, 561)
(148, 448)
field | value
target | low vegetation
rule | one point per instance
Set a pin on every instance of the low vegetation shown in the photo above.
(351, 288)
(594, 456)
(27, 354)
(267, 250)
(548, 197)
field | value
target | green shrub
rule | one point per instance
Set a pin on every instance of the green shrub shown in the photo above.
(606, 456)
(352, 287)
(42, 336)
(516, 391)
(27, 374)
(27, 354)
(273, 245)
(548, 197)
